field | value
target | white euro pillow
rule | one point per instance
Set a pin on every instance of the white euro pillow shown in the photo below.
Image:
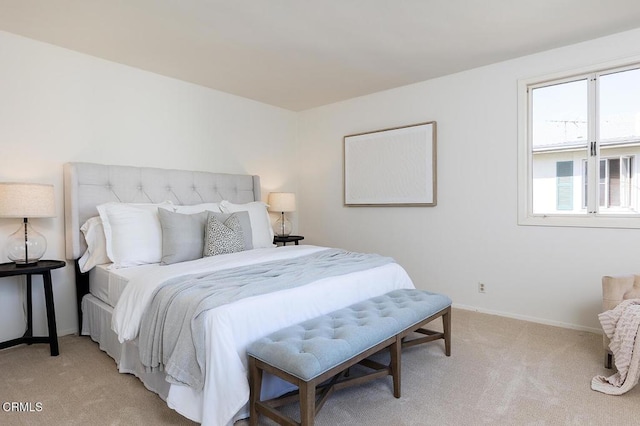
(261, 231)
(96, 253)
(132, 233)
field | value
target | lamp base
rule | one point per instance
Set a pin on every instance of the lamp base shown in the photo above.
(25, 247)
(282, 227)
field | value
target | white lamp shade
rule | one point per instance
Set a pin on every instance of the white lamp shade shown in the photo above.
(282, 202)
(26, 200)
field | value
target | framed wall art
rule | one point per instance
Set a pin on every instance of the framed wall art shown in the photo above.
(391, 167)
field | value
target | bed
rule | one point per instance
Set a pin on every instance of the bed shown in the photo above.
(113, 295)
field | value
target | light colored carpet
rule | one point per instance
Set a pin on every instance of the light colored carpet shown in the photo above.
(501, 372)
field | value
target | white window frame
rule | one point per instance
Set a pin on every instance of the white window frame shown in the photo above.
(525, 175)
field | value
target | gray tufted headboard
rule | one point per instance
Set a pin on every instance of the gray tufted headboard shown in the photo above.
(87, 185)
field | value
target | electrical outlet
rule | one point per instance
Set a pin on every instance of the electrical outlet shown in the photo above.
(481, 288)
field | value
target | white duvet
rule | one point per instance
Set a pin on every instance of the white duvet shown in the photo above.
(230, 328)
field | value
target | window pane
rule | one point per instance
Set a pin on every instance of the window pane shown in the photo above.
(559, 137)
(619, 129)
(560, 115)
(620, 106)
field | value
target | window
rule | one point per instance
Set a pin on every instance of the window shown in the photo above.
(579, 142)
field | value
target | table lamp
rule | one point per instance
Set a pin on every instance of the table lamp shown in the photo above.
(26, 200)
(282, 202)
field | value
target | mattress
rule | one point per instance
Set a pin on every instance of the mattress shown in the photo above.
(107, 284)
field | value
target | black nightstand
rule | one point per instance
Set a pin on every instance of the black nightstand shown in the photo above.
(290, 239)
(43, 268)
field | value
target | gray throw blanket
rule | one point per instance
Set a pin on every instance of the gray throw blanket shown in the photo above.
(172, 329)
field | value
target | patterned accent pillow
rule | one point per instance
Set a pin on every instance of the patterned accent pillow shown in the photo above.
(222, 238)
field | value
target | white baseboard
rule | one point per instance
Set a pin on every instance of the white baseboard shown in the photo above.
(527, 318)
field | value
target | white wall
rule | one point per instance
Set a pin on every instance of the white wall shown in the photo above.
(58, 106)
(544, 274)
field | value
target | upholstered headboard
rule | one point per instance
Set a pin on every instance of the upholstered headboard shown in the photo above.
(87, 185)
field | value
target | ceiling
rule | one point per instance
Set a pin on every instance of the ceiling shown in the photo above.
(299, 54)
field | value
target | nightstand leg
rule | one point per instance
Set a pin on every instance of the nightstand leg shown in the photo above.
(29, 332)
(51, 313)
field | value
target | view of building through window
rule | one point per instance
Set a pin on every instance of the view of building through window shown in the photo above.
(585, 144)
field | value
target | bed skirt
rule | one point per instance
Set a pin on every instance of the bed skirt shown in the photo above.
(97, 325)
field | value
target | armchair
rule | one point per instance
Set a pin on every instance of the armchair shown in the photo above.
(615, 289)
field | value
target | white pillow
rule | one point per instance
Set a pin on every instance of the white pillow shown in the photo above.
(96, 253)
(132, 232)
(262, 234)
(196, 208)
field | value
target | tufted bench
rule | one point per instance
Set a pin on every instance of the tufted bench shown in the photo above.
(314, 351)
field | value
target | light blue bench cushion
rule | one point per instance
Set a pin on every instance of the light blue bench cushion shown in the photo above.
(312, 347)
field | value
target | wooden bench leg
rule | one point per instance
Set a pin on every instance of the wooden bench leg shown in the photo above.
(307, 403)
(395, 364)
(255, 378)
(446, 325)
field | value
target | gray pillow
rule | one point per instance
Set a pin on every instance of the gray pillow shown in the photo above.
(182, 236)
(245, 223)
(223, 238)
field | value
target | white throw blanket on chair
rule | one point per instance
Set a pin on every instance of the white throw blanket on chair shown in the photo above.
(621, 325)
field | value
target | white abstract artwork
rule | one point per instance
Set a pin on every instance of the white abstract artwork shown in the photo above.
(391, 167)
